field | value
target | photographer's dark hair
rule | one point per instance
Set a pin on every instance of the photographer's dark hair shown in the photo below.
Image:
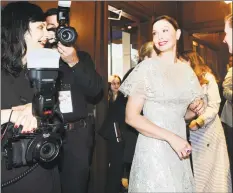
(50, 12)
(175, 25)
(16, 17)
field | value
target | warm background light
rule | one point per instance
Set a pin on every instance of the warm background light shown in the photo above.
(227, 2)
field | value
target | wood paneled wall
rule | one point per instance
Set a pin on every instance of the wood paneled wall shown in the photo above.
(204, 16)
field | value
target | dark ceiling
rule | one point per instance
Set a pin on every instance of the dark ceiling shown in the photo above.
(193, 16)
(144, 10)
(138, 11)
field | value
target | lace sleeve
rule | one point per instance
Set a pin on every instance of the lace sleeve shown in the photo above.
(195, 87)
(137, 82)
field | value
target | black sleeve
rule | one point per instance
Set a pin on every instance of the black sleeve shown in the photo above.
(96, 99)
(86, 77)
(6, 92)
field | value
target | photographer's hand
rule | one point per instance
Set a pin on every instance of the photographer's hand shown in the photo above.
(22, 115)
(68, 54)
(51, 37)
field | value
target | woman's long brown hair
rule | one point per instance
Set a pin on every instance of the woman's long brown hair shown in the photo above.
(198, 65)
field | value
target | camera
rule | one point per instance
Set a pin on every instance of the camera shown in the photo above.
(66, 34)
(44, 145)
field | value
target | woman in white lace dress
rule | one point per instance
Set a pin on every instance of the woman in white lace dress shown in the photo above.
(164, 88)
(209, 151)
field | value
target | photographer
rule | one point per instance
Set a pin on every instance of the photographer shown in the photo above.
(23, 30)
(79, 73)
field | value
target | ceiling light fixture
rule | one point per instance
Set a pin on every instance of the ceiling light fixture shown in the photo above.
(116, 11)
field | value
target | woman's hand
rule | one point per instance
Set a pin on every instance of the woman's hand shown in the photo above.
(197, 123)
(197, 106)
(181, 146)
(193, 125)
(23, 116)
(125, 182)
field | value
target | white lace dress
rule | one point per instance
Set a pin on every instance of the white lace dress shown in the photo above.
(168, 89)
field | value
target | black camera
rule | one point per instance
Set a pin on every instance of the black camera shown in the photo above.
(66, 34)
(44, 145)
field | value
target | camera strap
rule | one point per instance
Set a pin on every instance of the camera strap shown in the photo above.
(5, 128)
(19, 177)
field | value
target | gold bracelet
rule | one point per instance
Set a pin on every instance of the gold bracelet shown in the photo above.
(200, 122)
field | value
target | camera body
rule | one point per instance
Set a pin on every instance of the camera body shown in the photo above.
(44, 145)
(66, 34)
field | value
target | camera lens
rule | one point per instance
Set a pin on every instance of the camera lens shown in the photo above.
(66, 35)
(48, 151)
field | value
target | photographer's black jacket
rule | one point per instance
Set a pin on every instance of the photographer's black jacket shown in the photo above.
(85, 83)
(14, 92)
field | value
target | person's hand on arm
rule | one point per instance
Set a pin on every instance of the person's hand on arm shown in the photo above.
(20, 116)
(196, 108)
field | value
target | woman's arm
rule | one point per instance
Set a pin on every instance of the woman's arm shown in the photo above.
(196, 106)
(149, 129)
(213, 101)
(5, 115)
